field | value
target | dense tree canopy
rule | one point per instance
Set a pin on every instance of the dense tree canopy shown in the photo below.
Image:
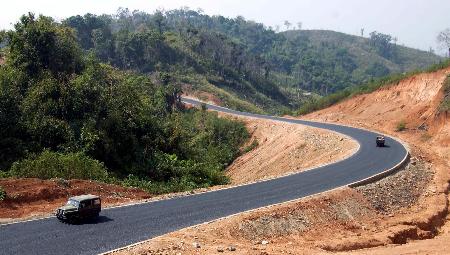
(65, 110)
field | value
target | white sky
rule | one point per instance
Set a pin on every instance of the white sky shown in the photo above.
(416, 23)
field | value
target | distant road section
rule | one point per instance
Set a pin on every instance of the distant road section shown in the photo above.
(118, 227)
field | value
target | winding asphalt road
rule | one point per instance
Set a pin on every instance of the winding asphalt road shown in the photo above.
(122, 226)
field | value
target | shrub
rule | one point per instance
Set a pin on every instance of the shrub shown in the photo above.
(445, 104)
(2, 193)
(401, 126)
(50, 164)
(250, 147)
(4, 174)
(157, 187)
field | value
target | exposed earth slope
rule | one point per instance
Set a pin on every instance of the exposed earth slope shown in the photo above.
(282, 148)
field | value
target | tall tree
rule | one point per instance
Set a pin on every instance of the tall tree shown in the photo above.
(444, 39)
(158, 18)
(40, 44)
(382, 43)
(287, 24)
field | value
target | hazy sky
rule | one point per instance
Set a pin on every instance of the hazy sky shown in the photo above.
(415, 23)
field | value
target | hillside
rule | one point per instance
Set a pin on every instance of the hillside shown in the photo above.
(406, 58)
(368, 61)
(244, 64)
(413, 109)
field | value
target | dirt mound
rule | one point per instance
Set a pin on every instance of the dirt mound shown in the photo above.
(210, 98)
(30, 197)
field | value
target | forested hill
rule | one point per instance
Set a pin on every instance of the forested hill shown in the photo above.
(372, 56)
(242, 62)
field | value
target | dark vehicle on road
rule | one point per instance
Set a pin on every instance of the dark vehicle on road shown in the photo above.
(79, 208)
(380, 141)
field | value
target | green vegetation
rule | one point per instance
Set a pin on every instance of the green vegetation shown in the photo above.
(49, 165)
(445, 104)
(401, 126)
(2, 193)
(65, 114)
(242, 61)
(315, 104)
(251, 146)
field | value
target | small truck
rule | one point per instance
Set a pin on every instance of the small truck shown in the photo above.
(79, 208)
(380, 141)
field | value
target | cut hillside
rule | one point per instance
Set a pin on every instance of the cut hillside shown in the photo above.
(413, 103)
(410, 109)
(283, 148)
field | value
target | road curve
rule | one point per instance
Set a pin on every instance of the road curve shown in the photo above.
(122, 226)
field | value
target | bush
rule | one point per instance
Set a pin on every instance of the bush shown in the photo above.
(49, 165)
(445, 104)
(4, 174)
(250, 147)
(2, 193)
(401, 126)
(156, 187)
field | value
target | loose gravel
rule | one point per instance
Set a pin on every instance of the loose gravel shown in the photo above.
(400, 190)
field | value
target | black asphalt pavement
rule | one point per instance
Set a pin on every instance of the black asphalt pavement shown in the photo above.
(122, 226)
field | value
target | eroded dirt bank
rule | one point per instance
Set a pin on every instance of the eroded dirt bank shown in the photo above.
(410, 205)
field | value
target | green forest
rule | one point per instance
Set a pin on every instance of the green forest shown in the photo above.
(65, 114)
(241, 61)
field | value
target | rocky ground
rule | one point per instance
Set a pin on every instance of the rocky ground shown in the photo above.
(400, 190)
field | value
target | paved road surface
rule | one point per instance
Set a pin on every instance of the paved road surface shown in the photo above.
(122, 226)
